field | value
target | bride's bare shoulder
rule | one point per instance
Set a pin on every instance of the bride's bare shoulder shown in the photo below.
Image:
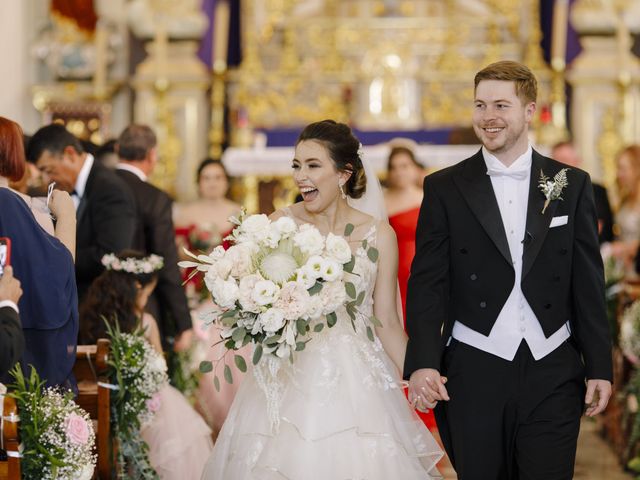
(295, 210)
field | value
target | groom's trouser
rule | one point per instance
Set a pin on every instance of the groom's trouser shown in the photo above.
(512, 420)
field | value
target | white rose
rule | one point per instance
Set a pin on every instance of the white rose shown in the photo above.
(293, 300)
(253, 228)
(338, 248)
(246, 289)
(286, 226)
(222, 267)
(265, 292)
(306, 277)
(309, 240)
(315, 308)
(225, 292)
(314, 265)
(240, 258)
(272, 320)
(272, 237)
(331, 270)
(333, 296)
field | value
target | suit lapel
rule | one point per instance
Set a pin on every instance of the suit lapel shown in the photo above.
(537, 223)
(475, 186)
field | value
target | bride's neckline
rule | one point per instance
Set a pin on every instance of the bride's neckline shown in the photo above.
(372, 227)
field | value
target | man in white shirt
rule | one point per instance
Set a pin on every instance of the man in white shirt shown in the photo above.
(105, 208)
(505, 308)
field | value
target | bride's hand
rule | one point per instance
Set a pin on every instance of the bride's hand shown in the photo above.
(427, 388)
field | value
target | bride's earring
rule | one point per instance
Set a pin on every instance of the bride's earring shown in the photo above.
(340, 186)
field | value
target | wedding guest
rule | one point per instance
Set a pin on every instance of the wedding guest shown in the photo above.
(178, 438)
(11, 336)
(138, 153)
(403, 197)
(627, 217)
(566, 153)
(104, 205)
(200, 226)
(44, 264)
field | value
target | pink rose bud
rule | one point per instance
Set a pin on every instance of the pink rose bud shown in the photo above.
(77, 429)
(154, 403)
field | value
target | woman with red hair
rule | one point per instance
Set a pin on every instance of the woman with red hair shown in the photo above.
(43, 262)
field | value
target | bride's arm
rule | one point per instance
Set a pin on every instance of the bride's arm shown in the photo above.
(385, 303)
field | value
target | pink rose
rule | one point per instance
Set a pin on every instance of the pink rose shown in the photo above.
(77, 429)
(154, 403)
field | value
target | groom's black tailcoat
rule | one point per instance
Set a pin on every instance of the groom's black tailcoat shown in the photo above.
(463, 271)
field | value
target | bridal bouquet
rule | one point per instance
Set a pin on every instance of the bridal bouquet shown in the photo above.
(277, 285)
(137, 372)
(57, 435)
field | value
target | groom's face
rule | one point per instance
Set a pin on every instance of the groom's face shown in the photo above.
(500, 118)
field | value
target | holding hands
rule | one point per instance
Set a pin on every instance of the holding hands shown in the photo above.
(427, 388)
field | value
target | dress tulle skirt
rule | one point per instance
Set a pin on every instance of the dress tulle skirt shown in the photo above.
(179, 440)
(342, 415)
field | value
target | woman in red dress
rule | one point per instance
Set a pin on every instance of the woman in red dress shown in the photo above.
(403, 197)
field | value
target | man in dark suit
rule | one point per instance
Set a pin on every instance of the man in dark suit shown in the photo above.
(11, 336)
(105, 209)
(137, 154)
(566, 153)
(506, 312)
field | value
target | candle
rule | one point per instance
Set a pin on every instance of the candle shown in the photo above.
(559, 34)
(220, 36)
(100, 72)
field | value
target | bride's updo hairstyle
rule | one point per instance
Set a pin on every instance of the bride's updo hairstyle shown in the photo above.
(343, 148)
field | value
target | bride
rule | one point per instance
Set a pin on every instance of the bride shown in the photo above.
(342, 413)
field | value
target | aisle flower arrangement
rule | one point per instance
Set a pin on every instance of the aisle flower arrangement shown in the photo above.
(57, 435)
(137, 373)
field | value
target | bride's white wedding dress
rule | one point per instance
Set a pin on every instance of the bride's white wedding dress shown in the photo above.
(342, 413)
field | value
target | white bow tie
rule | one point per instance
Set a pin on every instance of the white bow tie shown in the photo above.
(518, 174)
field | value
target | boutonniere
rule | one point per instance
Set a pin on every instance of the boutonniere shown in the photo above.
(552, 189)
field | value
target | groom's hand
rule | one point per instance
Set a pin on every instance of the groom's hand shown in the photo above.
(427, 388)
(597, 397)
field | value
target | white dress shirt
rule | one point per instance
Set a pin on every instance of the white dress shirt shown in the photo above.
(81, 181)
(10, 304)
(516, 320)
(133, 169)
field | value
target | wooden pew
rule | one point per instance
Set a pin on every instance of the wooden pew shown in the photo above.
(90, 371)
(10, 469)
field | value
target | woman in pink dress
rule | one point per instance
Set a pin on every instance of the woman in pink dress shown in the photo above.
(403, 197)
(200, 226)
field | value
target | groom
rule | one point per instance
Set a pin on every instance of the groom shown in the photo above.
(505, 308)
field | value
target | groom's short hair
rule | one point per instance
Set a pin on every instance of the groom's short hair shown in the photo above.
(509, 71)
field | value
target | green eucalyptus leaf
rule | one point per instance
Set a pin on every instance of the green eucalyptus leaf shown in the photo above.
(332, 319)
(228, 376)
(365, 244)
(348, 267)
(206, 366)
(348, 229)
(216, 383)
(257, 354)
(240, 363)
(238, 335)
(360, 298)
(300, 346)
(373, 319)
(350, 289)
(271, 341)
(301, 326)
(317, 287)
(370, 333)
(373, 254)
(318, 328)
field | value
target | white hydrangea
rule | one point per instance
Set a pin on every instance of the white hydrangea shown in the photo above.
(286, 226)
(309, 240)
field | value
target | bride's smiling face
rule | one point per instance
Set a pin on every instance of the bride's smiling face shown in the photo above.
(316, 175)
